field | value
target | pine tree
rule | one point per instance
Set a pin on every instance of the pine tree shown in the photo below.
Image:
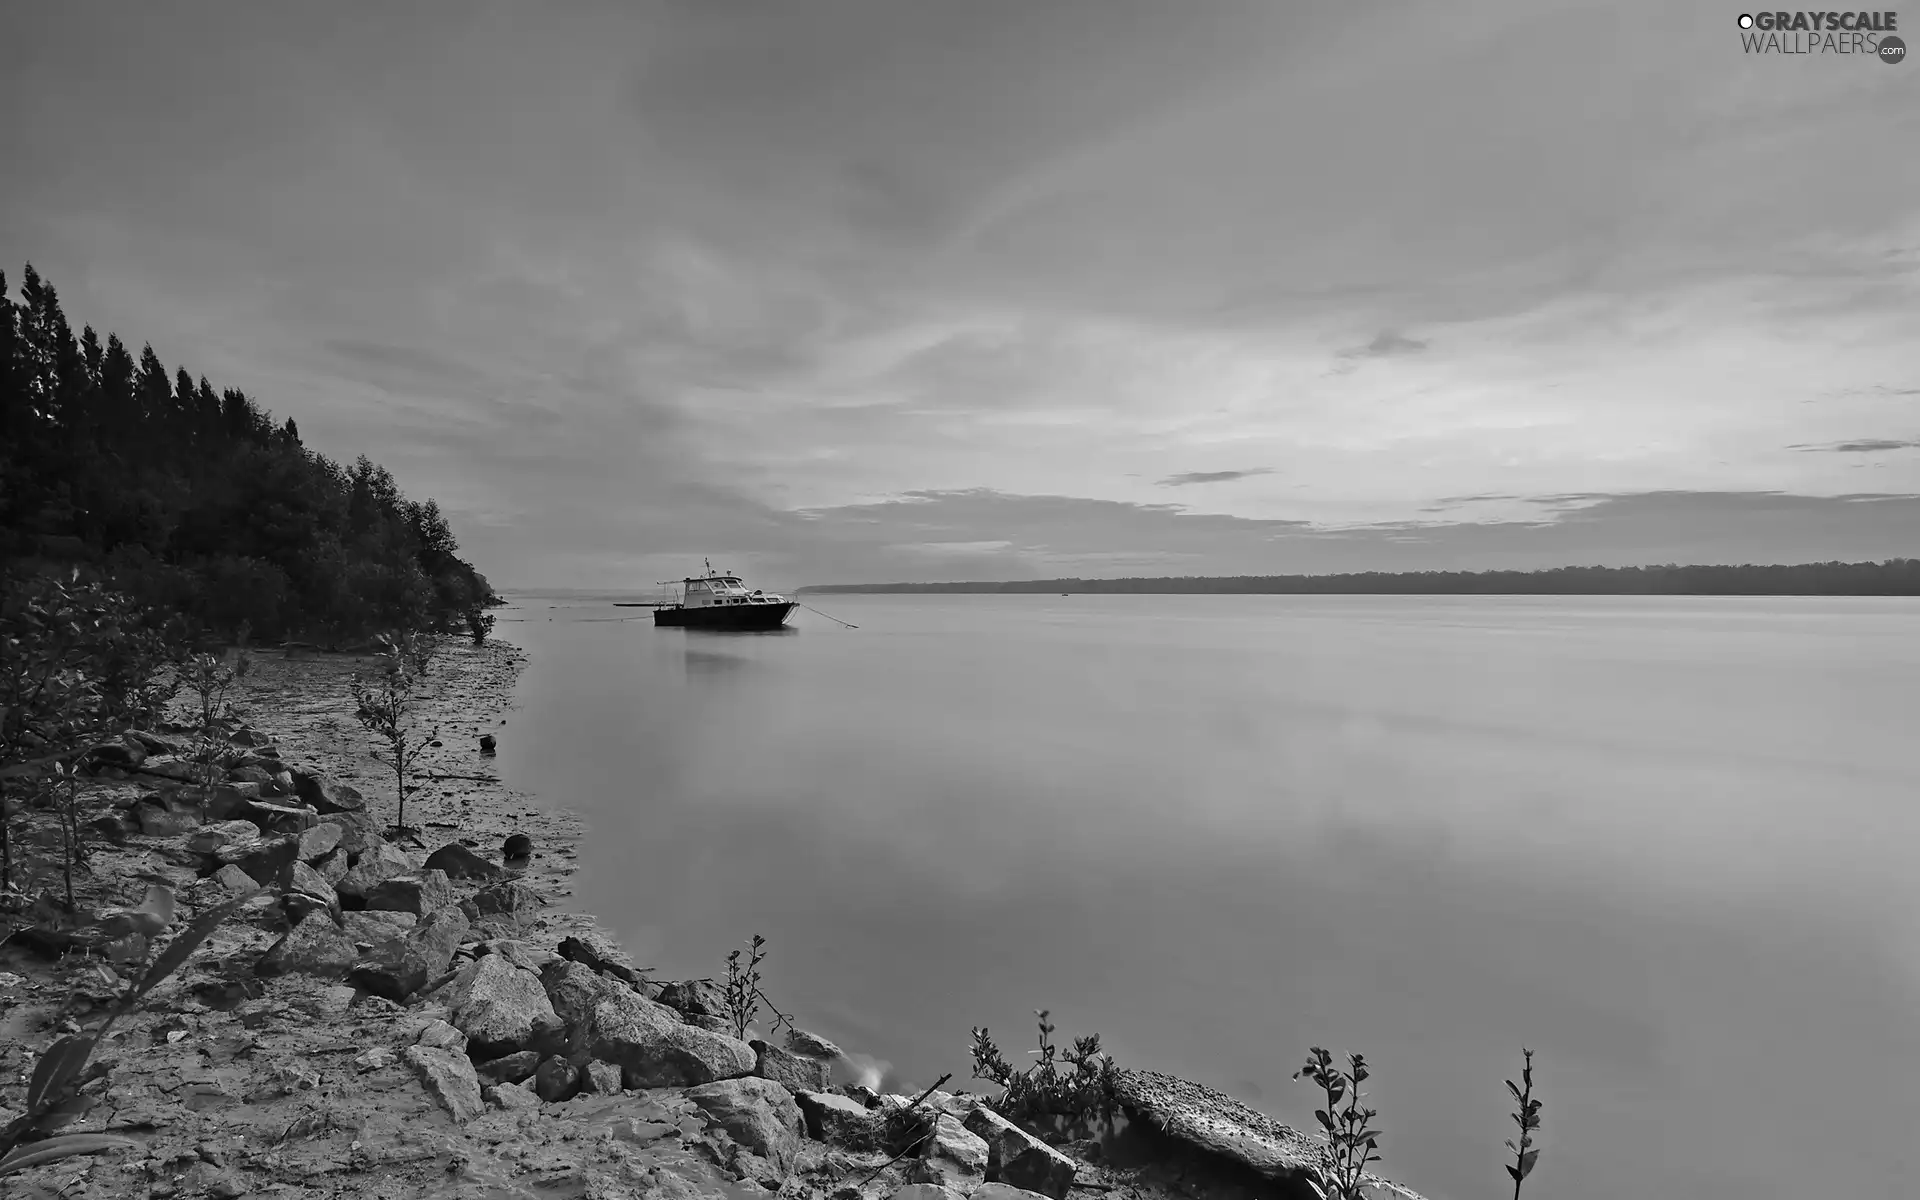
(155, 393)
(119, 398)
(91, 351)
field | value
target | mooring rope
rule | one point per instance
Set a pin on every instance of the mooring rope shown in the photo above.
(836, 620)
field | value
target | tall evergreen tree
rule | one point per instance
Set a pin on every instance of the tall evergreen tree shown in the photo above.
(154, 391)
(119, 397)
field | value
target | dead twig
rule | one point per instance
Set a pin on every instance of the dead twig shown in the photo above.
(915, 1144)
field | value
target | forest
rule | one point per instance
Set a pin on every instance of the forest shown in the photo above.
(198, 503)
(1894, 577)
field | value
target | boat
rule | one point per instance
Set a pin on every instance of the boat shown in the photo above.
(720, 601)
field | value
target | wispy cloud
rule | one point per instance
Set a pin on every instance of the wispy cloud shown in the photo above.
(1212, 476)
(1860, 446)
(1386, 344)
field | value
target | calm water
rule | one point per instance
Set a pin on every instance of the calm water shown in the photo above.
(1666, 843)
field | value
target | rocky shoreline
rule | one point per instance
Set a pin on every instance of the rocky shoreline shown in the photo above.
(427, 1017)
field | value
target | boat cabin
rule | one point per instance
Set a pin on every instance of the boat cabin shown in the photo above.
(716, 589)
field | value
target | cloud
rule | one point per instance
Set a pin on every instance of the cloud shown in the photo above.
(1861, 446)
(724, 278)
(1052, 536)
(1211, 476)
(1386, 344)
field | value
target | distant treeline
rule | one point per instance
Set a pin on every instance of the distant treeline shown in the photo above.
(1895, 577)
(196, 501)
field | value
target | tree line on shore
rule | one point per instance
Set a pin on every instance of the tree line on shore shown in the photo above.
(196, 503)
(1893, 577)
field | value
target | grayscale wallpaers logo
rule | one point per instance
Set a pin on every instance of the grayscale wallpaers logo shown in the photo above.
(1867, 34)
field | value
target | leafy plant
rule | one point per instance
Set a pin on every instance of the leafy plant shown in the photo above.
(53, 1092)
(1351, 1138)
(743, 986)
(80, 664)
(387, 703)
(1044, 1089)
(210, 681)
(1527, 1117)
(742, 990)
(479, 625)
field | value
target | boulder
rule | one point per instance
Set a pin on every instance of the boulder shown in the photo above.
(175, 768)
(511, 1068)
(378, 862)
(309, 882)
(497, 1005)
(264, 858)
(327, 794)
(248, 774)
(1017, 1157)
(954, 1156)
(655, 1048)
(461, 863)
(812, 1045)
(226, 800)
(841, 1121)
(556, 1080)
(521, 954)
(234, 880)
(1215, 1123)
(710, 1024)
(400, 966)
(518, 847)
(448, 1078)
(509, 897)
(316, 946)
(573, 988)
(512, 1096)
(601, 1079)
(376, 927)
(332, 867)
(209, 838)
(158, 819)
(419, 893)
(359, 832)
(317, 841)
(428, 1029)
(274, 817)
(759, 1114)
(788, 1069)
(114, 827)
(696, 998)
(124, 752)
(601, 953)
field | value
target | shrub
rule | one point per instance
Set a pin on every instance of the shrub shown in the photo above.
(1044, 1089)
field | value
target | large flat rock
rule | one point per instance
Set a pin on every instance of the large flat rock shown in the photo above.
(1217, 1123)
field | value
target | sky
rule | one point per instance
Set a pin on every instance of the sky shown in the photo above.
(904, 290)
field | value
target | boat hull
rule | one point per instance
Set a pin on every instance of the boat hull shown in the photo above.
(727, 617)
